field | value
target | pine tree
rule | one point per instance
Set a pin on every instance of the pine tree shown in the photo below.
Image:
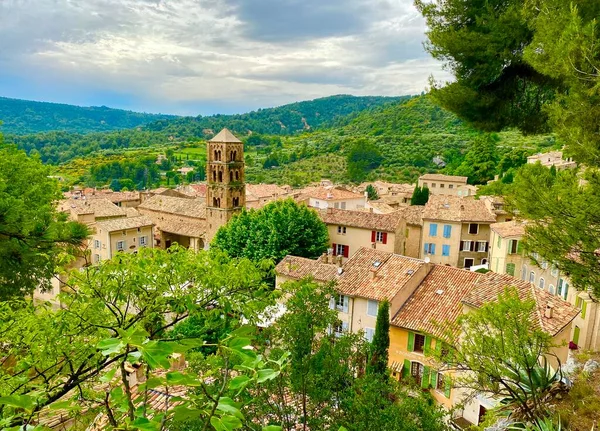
(381, 341)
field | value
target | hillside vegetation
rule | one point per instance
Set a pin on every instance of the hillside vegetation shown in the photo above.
(25, 117)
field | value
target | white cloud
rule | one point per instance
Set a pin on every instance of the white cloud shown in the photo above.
(235, 54)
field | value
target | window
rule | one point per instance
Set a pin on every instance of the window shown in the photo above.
(532, 277)
(473, 228)
(467, 246)
(433, 229)
(440, 383)
(551, 289)
(445, 250)
(369, 333)
(542, 283)
(510, 269)
(343, 205)
(554, 271)
(96, 258)
(379, 236)
(429, 248)
(433, 185)
(524, 273)
(341, 250)
(96, 243)
(342, 230)
(447, 231)
(316, 204)
(372, 308)
(120, 245)
(441, 186)
(481, 246)
(416, 370)
(513, 246)
(450, 186)
(544, 264)
(499, 242)
(424, 184)
(563, 288)
(341, 303)
(124, 233)
(339, 328)
(143, 241)
(336, 205)
(468, 263)
(419, 342)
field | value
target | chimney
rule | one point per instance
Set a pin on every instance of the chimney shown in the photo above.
(339, 261)
(324, 258)
(371, 210)
(549, 311)
(373, 273)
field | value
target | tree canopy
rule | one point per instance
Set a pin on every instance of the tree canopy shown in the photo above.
(279, 228)
(35, 239)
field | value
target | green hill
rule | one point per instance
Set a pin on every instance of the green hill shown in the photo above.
(283, 120)
(25, 117)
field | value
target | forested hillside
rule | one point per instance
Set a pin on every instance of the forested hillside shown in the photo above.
(25, 116)
(283, 120)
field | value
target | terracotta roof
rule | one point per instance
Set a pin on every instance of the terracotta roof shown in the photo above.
(455, 208)
(194, 229)
(225, 136)
(361, 219)
(381, 207)
(377, 275)
(509, 228)
(441, 177)
(301, 267)
(173, 205)
(100, 207)
(413, 214)
(124, 223)
(116, 196)
(491, 285)
(437, 301)
(258, 191)
(330, 193)
(132, 212)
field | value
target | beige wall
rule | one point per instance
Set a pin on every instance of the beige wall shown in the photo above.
(356, 238)
(437, 187)
(109, 240)
(440, 241)
(350, 204)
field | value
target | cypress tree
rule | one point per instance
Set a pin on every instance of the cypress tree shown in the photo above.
(381, 342)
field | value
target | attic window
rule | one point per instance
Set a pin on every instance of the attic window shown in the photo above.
(410, 271)
(376, 264)
(439, 291)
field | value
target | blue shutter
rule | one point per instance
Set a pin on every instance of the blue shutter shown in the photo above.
(433, 229)
(447, 231)
(432, 248)
(426, 248)
(445, 250)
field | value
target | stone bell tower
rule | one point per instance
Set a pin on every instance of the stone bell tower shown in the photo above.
(226, 189)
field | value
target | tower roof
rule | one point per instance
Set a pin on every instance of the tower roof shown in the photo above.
(224, 136)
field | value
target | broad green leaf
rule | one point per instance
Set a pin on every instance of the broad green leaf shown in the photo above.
(244, 331)
(272, 428)
(179, 378)
(225, 423)
(152, 382)
(156, 354)
(109, 346)
(182, 346)
(238, 382)
(227, 405)
(239, 343)
(108, 376)
(342, 428)
(183, 413)
(144, 424)
(24, 402)
(60, 405)
(266, 374)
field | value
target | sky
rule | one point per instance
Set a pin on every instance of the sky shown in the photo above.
(193, 57)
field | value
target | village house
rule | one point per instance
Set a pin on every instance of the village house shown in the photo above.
(331, 197)
(456, 231)
(413, 231)
(351, 230)
(507, 257)
(126, 235)
(258, 195)
(178, 220)
(89, 211)
(448, 185)
(423, 298)
(552, 158)
(397, 194)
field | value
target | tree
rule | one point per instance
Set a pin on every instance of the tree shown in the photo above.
(279, 228)
(115, 185)
(420, 196)
(380, 345)
(500, 350)
(117, 315)
(480, 162)
(363, 157)
(372, 193)
(35, 239)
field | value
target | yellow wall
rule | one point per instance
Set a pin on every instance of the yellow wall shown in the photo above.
(356, 238)
(439, 241)
(108, 241)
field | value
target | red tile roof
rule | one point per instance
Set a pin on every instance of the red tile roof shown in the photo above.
(455, 208)
(361, 219)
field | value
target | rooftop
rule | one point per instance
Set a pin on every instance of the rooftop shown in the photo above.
(301, 267)
(441, 177)
(123, 223)
(225, 136)
(258, 191)
(187, 207)
(330, 193)
(100, 207)
(509, 228)
(413, 214)
(115, 196)
(455, 208)
(362, 219)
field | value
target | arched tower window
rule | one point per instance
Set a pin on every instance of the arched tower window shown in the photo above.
(231, 158)
(236, 202)
(214, 172)
(220, 176)
(237, 175)
(230, 176)
(218, 203)
(216, 155)
(215, 204)
(219, 153)
(234, 158)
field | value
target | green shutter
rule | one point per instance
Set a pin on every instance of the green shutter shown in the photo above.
(519, 247)
(583, 309)
(438, 348)
(576, 335)
(427, 346)
(411, 342)
(433, 379)
(425, 378)
(447, 386)
(406, 369)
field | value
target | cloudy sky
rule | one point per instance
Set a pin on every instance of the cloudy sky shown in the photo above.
(208, 56)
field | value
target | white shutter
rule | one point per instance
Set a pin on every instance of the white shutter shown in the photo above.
(332, 303)
(344, 326)
(346, 301)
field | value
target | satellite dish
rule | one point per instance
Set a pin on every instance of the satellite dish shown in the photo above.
(427, 259)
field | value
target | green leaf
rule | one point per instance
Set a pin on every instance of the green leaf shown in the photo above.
(144, 424)
(240, 344)
(152, 382)
(272, 428)
(24, 402)
(179, 378)
(184, 413)
(109, 346)
(225, 423)
(182, 346)
(227, 405)
(156, 354)
(108, 376)
(238, 382)
(60, 405)
(267, 374)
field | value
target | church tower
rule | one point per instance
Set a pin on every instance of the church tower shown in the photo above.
(226, 189)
